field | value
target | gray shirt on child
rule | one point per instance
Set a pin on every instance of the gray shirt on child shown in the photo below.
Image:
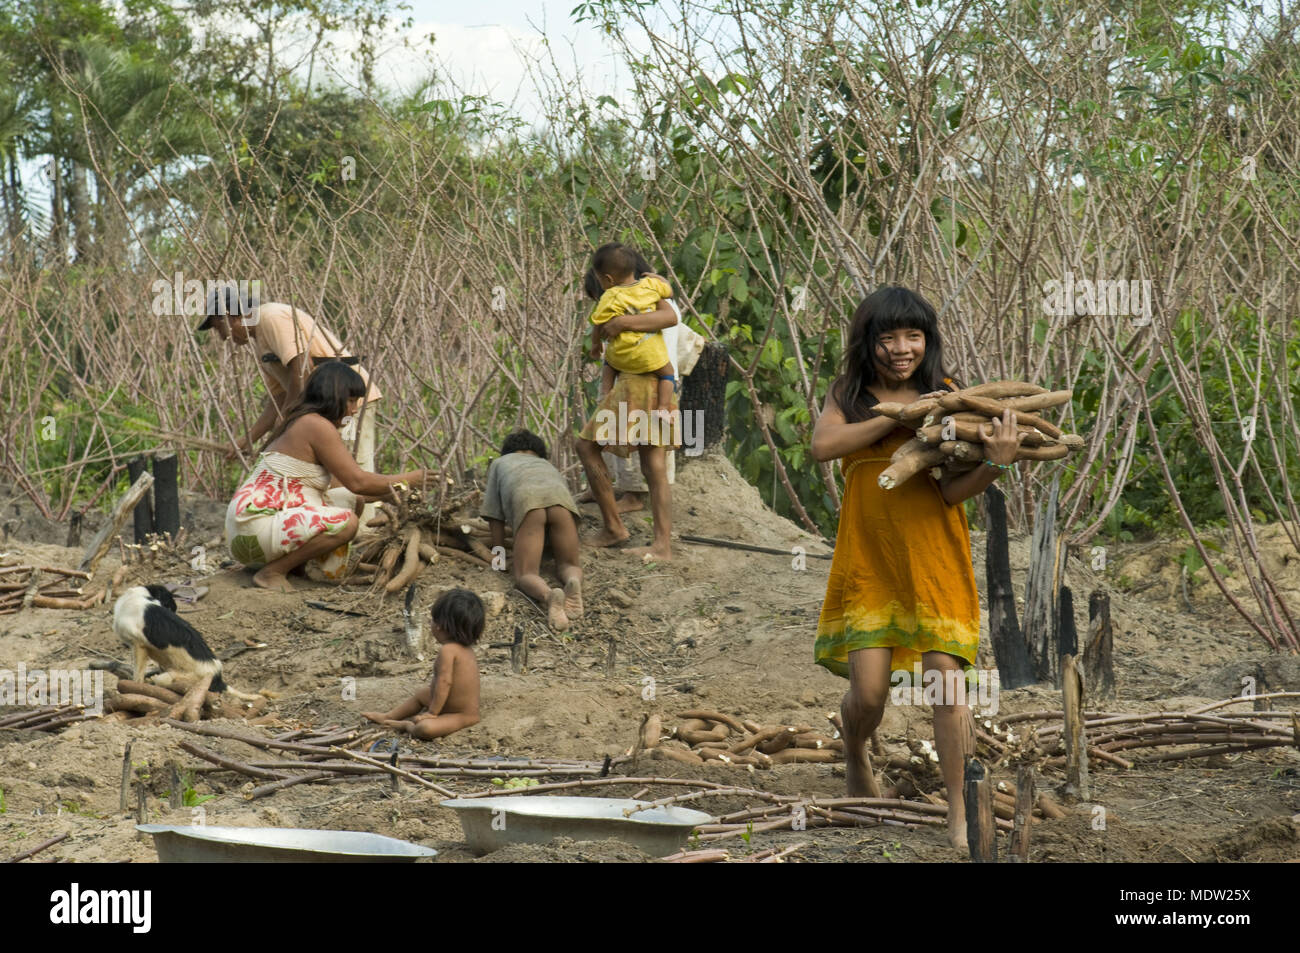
(519, 482)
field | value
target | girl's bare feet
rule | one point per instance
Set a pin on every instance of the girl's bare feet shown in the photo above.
(630, 503)
(555, 614)
(660, 553)
(275, 581)
(381, 718)
(855, 773)
(607, 537)
(957, 832)
(573, 598)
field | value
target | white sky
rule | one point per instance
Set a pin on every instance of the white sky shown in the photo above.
(483, 48)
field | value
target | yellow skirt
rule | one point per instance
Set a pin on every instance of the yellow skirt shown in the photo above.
(630, 416)
(901, 576)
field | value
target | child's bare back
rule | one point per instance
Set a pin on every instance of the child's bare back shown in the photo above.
(450, 701)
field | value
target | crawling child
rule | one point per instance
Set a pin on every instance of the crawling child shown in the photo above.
(631, 352)
(450, 701)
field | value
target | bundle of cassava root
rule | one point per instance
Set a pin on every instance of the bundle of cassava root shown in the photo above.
(138, 701)
(46, 587)
(713, 736)
(415, 533)
(950, 430)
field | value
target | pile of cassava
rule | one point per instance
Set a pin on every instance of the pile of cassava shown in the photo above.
(144, 701)
(415, 533)
(713, 736)
(951, 429)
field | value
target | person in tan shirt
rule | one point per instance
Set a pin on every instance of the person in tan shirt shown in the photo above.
(290, 343)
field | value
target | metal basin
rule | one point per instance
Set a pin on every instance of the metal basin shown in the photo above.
(194, 844)
(493, 822)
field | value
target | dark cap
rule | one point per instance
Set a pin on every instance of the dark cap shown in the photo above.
(225, 299)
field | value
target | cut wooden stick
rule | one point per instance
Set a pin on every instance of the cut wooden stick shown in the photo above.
(1021, 822)
(398, 772)
(116, 519)
(746, 547)
(43, 845)
(225, 762)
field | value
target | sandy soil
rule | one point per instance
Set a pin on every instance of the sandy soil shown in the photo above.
(726, 629)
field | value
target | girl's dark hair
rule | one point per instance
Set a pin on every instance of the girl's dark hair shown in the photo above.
(459, 613)
(591, 284)
(891, 308)
(327, 393)
(524, 440)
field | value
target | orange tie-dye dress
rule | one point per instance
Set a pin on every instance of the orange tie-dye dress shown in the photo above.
(901, 576)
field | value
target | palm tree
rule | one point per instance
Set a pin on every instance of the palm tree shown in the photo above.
(15, 125)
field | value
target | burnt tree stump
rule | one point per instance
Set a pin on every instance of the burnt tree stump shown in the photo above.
(1069, 636)
(143, 512)
(1009, 648)
(1042, 590)
(166, 494)
(981, 830)
(704, 397)
(1098, 668)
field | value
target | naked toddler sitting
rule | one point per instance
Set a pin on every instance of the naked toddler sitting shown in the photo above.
(450, 701)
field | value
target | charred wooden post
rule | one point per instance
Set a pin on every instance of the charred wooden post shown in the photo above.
(1041, 592)
(704, 391)
(981, 829)
(143, 512)
(1099, 670)
(126, 779)
(1069, 636)
(519, 651)
(166, 494)
(1076, 742)
(1020, 824)
(141, 813)
(1009, 647)
(74, 530)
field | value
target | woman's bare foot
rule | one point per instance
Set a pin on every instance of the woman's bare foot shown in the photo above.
(629, 503)
(275, 581)
(607, 537)
(957, 829)
(656, 553)
(555, 614)
(573, 599)
(381, 718)
(855, 773)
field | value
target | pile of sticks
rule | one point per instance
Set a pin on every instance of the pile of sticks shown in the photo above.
(715, 855)
(306, 757)
(1197, 733)
(415, 534)
(950, 429)
(143, 701)
(46, 587)
(158, 548)
(48, 718)
(704, 735)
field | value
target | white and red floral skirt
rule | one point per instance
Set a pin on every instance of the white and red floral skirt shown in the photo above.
(279, 507)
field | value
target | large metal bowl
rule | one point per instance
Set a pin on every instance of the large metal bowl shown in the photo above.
(195, 844)
(491, 823)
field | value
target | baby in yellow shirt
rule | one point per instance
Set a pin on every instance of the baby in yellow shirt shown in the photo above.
(631, 352)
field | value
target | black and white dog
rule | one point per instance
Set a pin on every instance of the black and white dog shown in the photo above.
(145, 619)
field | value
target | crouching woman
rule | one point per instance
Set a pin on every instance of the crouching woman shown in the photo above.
(280, 517)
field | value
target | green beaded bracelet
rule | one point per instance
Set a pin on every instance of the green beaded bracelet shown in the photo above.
(1001, 466)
